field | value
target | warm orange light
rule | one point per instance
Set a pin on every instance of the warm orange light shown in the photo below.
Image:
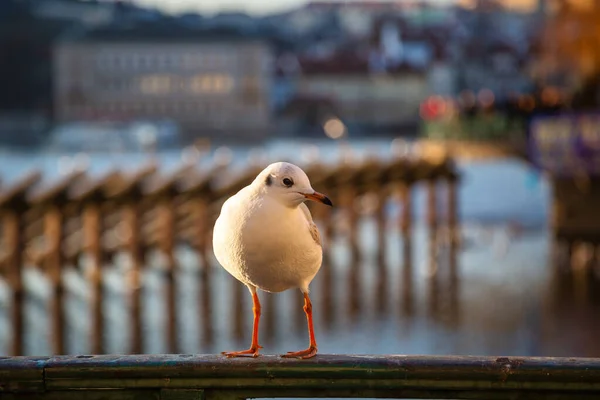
(527, 102)
(550, 96)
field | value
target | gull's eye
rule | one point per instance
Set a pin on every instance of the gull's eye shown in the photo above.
(288, 182)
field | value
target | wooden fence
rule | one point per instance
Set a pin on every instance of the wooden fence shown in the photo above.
(51, 225)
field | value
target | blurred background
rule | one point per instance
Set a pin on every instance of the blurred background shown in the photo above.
(459, 140)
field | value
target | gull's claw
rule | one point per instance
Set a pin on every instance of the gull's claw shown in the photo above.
(304, 354)
(251, 352)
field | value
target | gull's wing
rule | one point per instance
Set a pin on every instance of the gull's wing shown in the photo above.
(314, 232)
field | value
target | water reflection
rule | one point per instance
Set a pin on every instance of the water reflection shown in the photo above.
(354, 295)
(327, 294)
(381, 286)
(432, 274)
(240, 299)
(205, 299)
(571, 324)
(269, 320)
(406, 281)
(525, 304)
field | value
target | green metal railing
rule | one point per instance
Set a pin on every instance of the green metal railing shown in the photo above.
(183, 377)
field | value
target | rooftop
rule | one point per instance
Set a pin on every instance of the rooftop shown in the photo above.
(165, 30)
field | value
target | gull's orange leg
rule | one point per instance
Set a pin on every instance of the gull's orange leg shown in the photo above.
(253, 350)
(312, 347)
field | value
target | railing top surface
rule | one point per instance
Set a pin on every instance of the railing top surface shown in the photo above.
(165, 182)
(50, 190)
(86, 188)
(324, 372)
(130, 181)
(216, 180)
(20, 187)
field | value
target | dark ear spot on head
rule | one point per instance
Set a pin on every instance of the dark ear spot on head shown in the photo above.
(269, 180)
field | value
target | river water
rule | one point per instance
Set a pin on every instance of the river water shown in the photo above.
(510, 299)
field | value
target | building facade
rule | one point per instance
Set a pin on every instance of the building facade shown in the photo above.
(210, 85)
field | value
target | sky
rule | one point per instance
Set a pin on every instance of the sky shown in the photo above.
(256, 7)
(213, 6)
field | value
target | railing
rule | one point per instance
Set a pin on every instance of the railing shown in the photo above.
(186, 377)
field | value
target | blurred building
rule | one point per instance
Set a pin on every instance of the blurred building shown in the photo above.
(369, 103)
(567, 55)
(28, 30)
(212, 82)
(493, 48)
(373, 82)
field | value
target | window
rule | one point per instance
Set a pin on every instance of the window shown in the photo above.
(191, 61)
(135, 62)
(101, 62)
(155, 84)
(251, 91)
(211, 83)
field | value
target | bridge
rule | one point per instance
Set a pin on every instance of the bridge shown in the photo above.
(565, 147)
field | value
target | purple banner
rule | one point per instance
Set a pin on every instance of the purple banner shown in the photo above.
(567, 144)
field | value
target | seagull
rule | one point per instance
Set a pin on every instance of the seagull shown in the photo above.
(266, 238)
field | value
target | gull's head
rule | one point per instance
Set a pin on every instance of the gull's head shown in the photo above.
(288, 184)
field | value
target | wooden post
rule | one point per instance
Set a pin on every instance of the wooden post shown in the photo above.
(167, 216)
(13, 232)
(454, 246)
(206, 301)
(406, 229)
(407, 277)
(380, 220)
(53, 233)
(92, 226)
(349, 198)
(406, 216)
(131, 215)
(52, 201)
(13, 203)
(201, 244)
(382, 291)
(90, 197)
(453, 219)
(432, 222)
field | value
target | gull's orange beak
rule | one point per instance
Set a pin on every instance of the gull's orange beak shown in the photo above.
(319, 197)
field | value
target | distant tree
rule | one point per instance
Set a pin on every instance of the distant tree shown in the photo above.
(569, 48)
